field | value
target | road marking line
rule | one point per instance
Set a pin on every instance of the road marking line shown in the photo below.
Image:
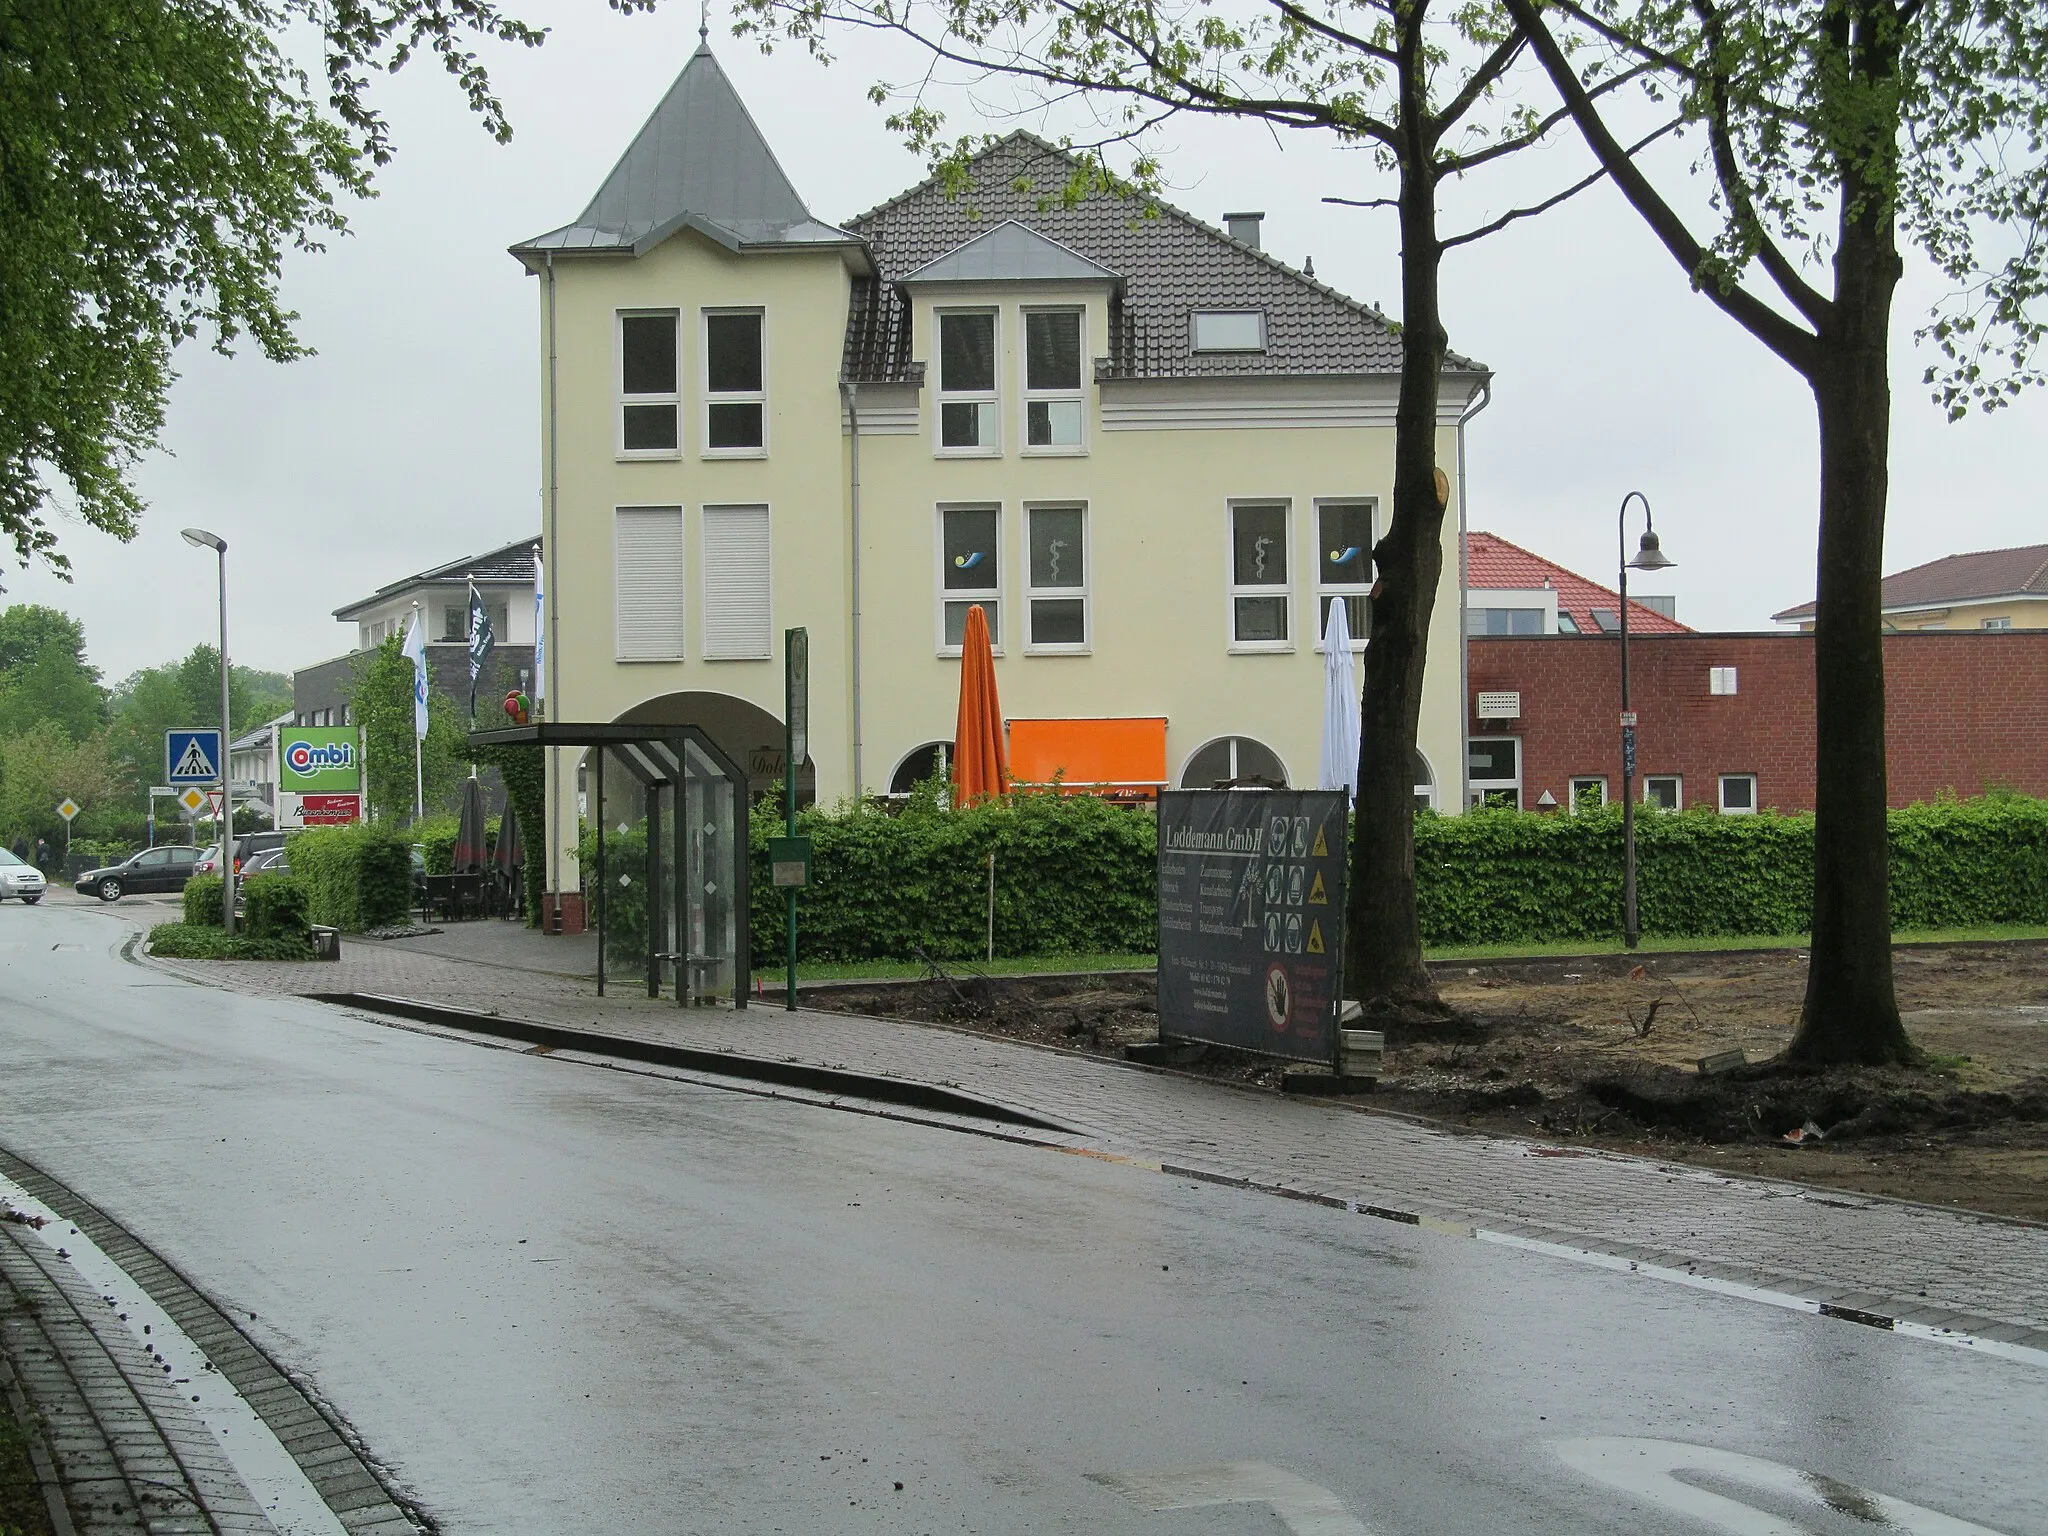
(266, 1468)
(1650, 1469)
(1305, 1508)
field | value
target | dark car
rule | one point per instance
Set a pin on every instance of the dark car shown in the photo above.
(153, 869)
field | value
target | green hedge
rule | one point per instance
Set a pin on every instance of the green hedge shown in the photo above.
(274, 907)
(1075, 875)
(194, 941)
(1493, 877)
(203, 901)
(355, 877)
(436, 838)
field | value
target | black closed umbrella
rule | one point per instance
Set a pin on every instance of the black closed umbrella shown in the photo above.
(471, 855)
(510, 855)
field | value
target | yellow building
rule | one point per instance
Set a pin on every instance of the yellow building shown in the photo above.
(1985, 589)
(1151, 452)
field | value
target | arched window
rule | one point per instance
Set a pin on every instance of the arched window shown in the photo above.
(921, 764)
(1425, 784)
(1234, 760)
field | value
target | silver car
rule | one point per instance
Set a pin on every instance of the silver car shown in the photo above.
(20, 879)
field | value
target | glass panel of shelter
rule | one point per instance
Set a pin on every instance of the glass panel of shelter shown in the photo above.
(662, 874)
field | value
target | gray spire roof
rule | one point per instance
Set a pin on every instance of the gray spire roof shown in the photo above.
(1010, 252)
(698, 163)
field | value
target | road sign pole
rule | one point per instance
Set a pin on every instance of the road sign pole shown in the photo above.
(796, 662)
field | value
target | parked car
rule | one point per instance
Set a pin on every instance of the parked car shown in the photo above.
(264, 861)
(153, 869)
(20, 878)
(247, 845)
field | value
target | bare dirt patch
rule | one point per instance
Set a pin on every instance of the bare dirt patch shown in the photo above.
(1605, 1052)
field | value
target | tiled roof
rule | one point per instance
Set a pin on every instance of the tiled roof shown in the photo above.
(511, 563)
(1492, 562)
(699, 162)
(1171, 264)
(2020, 572)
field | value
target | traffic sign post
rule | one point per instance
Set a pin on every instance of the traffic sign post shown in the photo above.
(193, 757)
(68, 808)
(796, 718)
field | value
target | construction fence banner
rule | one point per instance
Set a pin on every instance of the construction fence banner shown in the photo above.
(1251, 919)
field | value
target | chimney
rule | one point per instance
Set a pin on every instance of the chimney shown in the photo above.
(1244, 227)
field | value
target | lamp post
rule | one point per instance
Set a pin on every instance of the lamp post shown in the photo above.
(199, 538)
(1648, 557)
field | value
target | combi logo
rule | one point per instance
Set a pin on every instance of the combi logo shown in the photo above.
(308, 757)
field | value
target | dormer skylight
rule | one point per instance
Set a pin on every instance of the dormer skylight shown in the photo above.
(1227, 330)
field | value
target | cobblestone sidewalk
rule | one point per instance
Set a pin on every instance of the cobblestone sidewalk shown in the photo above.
(1926, 1268)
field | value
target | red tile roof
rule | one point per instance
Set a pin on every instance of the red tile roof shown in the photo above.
(1959, 579)
(1492, 562)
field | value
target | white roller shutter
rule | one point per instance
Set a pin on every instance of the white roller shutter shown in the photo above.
(647, 582)
(737, 625)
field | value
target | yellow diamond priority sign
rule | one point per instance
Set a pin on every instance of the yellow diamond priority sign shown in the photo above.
(68, 808)
(194, 800)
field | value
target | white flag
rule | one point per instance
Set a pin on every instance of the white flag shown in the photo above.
(540, 630)
(416, 649)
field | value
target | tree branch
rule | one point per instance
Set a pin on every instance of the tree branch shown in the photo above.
(1728, 171)
(1490, 69)
(1365, 202)
(1549, 202)
(1457, 165)
(1790, 341)
(1316, 24)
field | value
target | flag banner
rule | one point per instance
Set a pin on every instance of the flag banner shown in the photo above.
(540, 630)
(416, 653)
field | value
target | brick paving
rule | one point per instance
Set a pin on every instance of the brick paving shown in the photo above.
(128, 1452)
(1942, 1269)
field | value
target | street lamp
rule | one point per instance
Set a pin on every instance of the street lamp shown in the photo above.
(1648, 557)
(199, 538)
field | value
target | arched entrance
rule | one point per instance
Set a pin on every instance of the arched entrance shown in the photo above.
(747, 733)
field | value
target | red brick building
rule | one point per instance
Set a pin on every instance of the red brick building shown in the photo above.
(1727, 720)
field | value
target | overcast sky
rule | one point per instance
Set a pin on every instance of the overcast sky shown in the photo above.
(412, 439)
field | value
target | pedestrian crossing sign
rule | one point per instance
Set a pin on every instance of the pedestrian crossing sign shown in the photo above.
(191, 757)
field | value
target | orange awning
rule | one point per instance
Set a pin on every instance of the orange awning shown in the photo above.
(1121, 754)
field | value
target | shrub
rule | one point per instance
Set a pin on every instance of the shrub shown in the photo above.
(1076, 875)
(193, 941)
(203, 901)
(274, 907)
(355, 877)
(436, 838)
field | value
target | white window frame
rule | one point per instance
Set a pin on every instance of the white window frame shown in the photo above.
(1572, 789)
(945, 594)
(1195, 317)
(1058, 594)
(673, 399)
(1078, 394)
(730, 397)
(992, 398)
(1678, 801)
(705, 518)
(681, 591)
(1721, 783)
(1344, 588)
(1477, 789)
(1283, 589)
(1233, 738)
(1999, 622)
(1723, 682)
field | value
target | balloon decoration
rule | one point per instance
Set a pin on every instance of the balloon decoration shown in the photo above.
(518, 706)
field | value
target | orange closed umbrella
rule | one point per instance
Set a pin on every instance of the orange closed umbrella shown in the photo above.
(978, 767)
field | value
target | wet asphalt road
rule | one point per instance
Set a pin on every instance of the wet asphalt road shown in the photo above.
(555, 1298)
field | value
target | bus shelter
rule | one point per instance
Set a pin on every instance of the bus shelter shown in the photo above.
(664, 854)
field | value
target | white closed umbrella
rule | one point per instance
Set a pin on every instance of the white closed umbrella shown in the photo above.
(1340, 705)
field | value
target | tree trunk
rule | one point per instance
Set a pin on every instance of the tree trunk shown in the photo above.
(1383, 938)
(1851, 1013)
